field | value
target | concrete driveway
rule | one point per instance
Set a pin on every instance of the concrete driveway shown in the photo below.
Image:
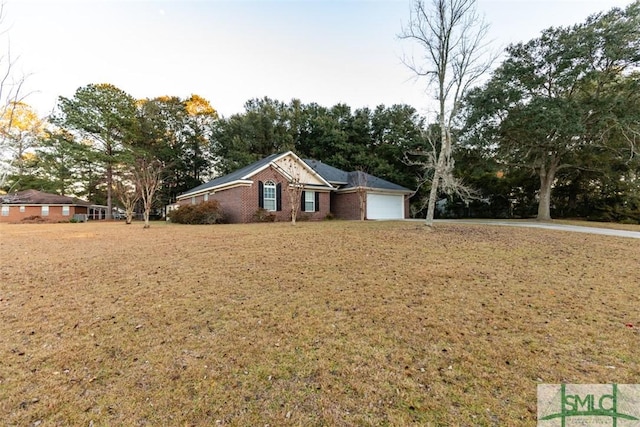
(546, 225)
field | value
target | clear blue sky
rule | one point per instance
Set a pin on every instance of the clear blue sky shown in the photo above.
(230, 51)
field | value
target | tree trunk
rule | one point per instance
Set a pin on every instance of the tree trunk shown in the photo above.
(439, 170)
(294, 199)
(547, 176)
(432, 198)
(109, 185)
(146, 217)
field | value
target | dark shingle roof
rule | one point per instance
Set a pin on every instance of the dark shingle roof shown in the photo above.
(361, 178)
(352, 179)
(328, 173)
(235, 175)
(35, 197)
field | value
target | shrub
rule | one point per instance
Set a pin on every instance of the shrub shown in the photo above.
(263, 215)
(329, 216)
(302, 217)
(35, 219)
(203, 213)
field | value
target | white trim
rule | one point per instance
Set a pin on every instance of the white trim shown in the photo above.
(373, 190)
(286, 175)
(255, 171)
(271, 185)
(319, 189)
(312, 201)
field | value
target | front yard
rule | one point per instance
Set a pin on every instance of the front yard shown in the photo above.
(329, 323)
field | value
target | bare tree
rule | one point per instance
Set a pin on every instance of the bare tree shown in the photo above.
(147, 174)
(361, 180)
(450, 34)
(426, 161)
(291, 171)
(20, 130)
(126, 191)
(11, 95)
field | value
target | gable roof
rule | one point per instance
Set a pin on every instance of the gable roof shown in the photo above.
(243, 175)
(352, 180)
(35, 197)
(235, 176)
(331, 174)
(364, 179)
(326, 173)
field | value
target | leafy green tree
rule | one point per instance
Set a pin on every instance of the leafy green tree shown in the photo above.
(567, 99)
(177, 133)
(105, 116)
(361, 139)
(263, 129)
(396, 130)
(57, 159)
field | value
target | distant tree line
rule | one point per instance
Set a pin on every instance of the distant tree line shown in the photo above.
(553, 133)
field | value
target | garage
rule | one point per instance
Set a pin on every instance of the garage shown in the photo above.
(385, 206)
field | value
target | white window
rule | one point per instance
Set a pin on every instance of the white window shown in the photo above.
(65, 210)
(269, 195)
(22, 209)
(45, 210)
(5, 211)
(206, 197)
(193, 200)
(309, 201)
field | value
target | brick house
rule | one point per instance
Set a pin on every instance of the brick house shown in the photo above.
(30, 203)
(263, 185)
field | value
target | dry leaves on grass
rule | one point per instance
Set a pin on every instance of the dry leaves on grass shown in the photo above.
(332, 323)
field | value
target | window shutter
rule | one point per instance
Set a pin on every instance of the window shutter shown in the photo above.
(260, 194)
(302, 196)
(279, 197)
(317, 201)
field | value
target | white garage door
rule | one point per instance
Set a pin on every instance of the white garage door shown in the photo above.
(385, 206)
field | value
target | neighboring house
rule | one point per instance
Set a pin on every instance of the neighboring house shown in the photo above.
(15, 207)
(264, 184)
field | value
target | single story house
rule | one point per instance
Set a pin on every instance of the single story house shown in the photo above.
(264, 184)
(15, 207)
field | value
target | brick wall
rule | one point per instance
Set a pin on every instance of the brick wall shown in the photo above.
(55, 213)
(345, 205)
(240, 204)
(407, 212)
(188, 201)
(231, 203)
(250, 197)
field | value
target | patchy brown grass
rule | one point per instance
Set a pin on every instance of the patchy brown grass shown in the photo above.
(333, 323)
